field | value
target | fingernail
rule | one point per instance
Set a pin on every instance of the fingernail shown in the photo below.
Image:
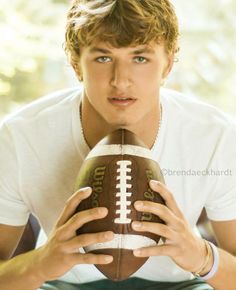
(136, 224)
(102, 210)
(154, 182)
(109, 259)
(87, 190)
(109, 235)
(138, 204)
(137, 252)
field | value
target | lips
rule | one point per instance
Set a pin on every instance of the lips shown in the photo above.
(121, 97)
(123, 101)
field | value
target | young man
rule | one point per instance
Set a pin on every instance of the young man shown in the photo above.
(121, 51)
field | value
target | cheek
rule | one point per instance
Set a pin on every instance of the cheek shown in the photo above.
(95, 86)
(94, 78)
(94, 70)
(149, 82)
(150, 74)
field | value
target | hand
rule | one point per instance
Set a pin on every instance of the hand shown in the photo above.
(181, 244)
(61, 252)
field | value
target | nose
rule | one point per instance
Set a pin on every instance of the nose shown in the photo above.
(121, 76)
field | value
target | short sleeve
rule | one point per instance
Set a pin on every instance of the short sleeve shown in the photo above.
(13, 210)
(221, 204)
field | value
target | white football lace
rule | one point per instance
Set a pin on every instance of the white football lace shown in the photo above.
(123, 176)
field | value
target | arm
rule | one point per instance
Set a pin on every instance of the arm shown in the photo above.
(13, 272)
(181, 244)
(225, 232)
(10, 237)
(30, 270)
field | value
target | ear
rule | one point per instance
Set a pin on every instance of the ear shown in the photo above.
(77, 70)
(169, 66)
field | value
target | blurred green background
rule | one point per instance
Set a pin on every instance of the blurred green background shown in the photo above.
(33, 62)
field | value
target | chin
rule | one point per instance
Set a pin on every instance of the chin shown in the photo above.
(122, 122)
(118, 125)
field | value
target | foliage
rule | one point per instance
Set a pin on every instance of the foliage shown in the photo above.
(31, 37)
(207, 61)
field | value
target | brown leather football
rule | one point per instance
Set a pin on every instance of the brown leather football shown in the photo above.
(118, 170)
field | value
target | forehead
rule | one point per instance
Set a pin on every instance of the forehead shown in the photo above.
(104, 47)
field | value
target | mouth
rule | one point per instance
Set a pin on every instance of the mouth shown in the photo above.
(121, 100)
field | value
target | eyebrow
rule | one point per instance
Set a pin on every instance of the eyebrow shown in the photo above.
(99, 49)
(146, 49)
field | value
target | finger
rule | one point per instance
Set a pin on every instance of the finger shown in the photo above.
(92, 259)
(79, 219)
(85, 240)
(160, 210)
(72, 203)
(155, 228)
(167, 196)
(162, 250)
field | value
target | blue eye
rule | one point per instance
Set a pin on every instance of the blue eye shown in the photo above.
(103, 59)
(140, 59)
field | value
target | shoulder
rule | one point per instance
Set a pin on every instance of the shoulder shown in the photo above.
(48, 103)
(50, 115)
(190, 111)
(198, 129)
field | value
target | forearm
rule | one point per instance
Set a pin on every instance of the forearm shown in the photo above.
(20, 272)
(225, 277)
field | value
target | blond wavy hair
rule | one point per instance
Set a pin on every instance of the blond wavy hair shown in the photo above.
(121, 23)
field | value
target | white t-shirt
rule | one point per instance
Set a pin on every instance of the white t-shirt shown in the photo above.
(42, 148)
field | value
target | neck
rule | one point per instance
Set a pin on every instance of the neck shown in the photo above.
(95, 127)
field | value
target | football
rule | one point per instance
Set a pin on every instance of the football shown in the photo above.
(118, 169)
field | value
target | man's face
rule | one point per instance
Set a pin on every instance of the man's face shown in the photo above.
(122, 84)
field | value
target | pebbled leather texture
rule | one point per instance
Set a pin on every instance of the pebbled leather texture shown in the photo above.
(117, 181)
